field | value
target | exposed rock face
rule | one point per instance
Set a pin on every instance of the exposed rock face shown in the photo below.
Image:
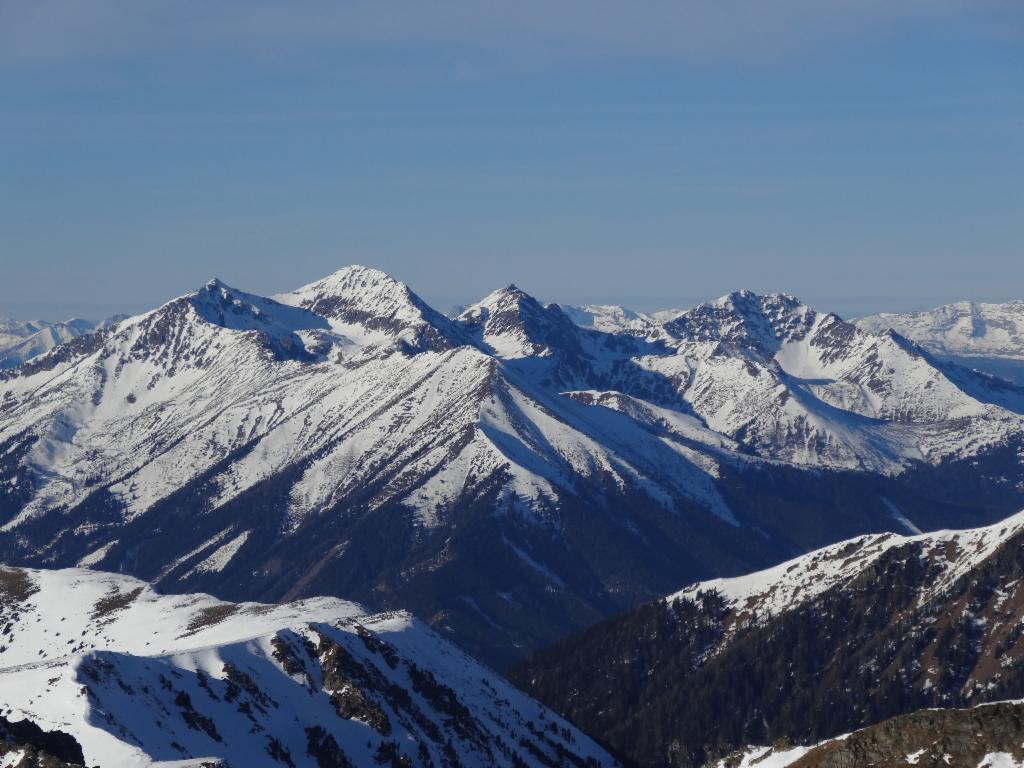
(112, 673)
(989, 736)
(935, 737)
(23, 744)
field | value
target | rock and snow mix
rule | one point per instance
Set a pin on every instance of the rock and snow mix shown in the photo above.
(354, 374)
(139, 678)
(989, 736)
(228, 441)
(773, 591)
(977, 334)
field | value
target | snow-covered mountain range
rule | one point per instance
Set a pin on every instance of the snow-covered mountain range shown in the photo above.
(980, 335)
(509, 474)
(21, 340)
(137, 678)
(832, 641)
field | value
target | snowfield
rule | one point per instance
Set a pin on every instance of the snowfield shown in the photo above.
(139, 679)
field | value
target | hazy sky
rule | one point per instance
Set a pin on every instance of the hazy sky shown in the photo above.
(858, 153)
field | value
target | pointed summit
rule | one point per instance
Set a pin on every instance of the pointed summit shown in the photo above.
(367, 304)
(501, 301)
(513, 324)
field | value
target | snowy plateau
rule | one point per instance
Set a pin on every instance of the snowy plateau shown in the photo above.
(510, 474)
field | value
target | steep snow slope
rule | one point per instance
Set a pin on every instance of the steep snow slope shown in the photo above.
(975, 334)
(139, 678)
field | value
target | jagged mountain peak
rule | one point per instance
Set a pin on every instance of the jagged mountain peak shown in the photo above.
(511, 323)
(358, 285)
(735, 298)
(746, 320)
(510, 296)
(186, 327)
(357, 278)
(747, 301)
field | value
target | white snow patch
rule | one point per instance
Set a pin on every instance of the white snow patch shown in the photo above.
(220, 558)
(94, 557)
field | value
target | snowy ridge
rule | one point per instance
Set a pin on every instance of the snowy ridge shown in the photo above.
(775, 590)
(761, 373)
(880, 626)
(139, 678)
(167, 385)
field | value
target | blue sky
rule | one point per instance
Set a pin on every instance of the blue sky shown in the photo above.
(860, 154)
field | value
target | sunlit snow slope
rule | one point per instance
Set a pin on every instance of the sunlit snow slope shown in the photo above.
(508, 474)
(138, 678)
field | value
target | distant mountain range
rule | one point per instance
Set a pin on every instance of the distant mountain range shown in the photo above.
(21, 340)
(989, 337)
(511, 474)
(833, 641)
(98, 669)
